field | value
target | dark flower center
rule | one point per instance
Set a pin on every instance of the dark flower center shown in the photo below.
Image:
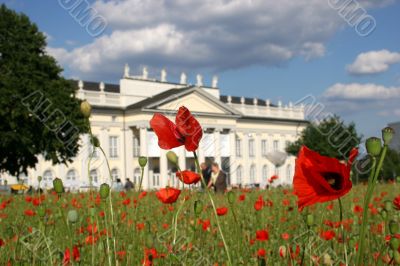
(333, 179)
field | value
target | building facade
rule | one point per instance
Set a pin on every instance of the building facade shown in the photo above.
(242, 134)
(395, 143)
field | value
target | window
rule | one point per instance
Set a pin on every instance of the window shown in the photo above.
(114, 174)
(287, 143)
(276, 171)
(239, 171)
(136, 147)
(94, 176)
(289, 172)
(238, 147)
(156, 180)
(276, 145)
(264, 147)
(93, 151)
(113, 147)
(265, 172)
(136, 176)
(71, 175)
(252, 174)
(47, 175)
(251, 147)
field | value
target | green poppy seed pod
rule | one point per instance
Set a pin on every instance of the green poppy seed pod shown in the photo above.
(310, 219)
(394, 243)
(104, 191)
(374, 146)
(396, 257)
(39, 178)
(384, 214)
(398, 179)
(95, 141)
(198, 207)
(58, 185)
(149, 241)
(142, 161)
(231, 197)
(72, 216)
(172, 157)
(388, 205)
(393, 227)
(41, 211)
(86, 108)
(387, 135)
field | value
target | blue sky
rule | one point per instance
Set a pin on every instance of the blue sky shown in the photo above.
(278, 50)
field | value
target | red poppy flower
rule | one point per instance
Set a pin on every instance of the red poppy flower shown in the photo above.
(262, 235)
(396, 203)
(75, 253)
(185, 131)
(2, 243)
(67, 257)
(242, 197)
(188, 177)
(222, 211)
(328, 235)
(261, 252)
(168, 194)
(319, 178)
(29, 213)
(259, 204)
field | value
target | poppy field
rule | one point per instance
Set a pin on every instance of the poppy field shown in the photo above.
(322, 219)
(260, 226)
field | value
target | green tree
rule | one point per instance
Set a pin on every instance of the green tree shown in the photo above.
(330, 137)
(39, 112)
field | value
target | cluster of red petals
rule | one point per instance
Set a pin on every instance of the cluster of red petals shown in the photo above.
(396, 203)
(185, 131)
(188, 177)
(262, 235)
(259, 204)
(168, 195)
(67, 255)
(29, 212)
(272, 178)
(319, 178)
(222, 211)
(205, 224)
(328, 235)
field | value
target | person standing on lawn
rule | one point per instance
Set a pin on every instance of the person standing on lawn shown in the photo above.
(218, 179)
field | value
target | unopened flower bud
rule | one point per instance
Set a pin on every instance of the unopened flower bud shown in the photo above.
(95, 141)
(104, 191)
(149, 241)
(86, 109)
(394, 243)
(72, 216)
(39, 178)
(396, 256)
(58, 185)
(374, 146)
(172, 157)
(41, 211)
(388, 205)
(310, 219)
(231, 197)
(142, 161)
(198, 207)
(387, 135)
(393, 227)
(384, 214)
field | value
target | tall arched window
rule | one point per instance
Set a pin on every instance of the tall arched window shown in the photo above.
(289, 173)
(252, 174)
(71, 175)
(239, 173)
(114, 174)
(94, 176)
(265, 173)
(136, 176)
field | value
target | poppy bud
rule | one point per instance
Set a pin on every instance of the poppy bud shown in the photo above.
(388, 205)
(231, 197)
(310, 219)
(394, 243)
(149, 241)
(95, 141)
(142, 161)
(39, 178)
(396, 256)
(172, 157)
(393, 227)
(398, 179)
(374, 146)
(104, 191)
(41, 211)
(58, 185)
(86, 109)
(387, 135)
(384, 214)
(198, 207)
(72, 216)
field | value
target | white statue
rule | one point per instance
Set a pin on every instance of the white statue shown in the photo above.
(145, 73)
(163, 75)
(215, 82)
(126, 71)
(183, 78)
(199, 80)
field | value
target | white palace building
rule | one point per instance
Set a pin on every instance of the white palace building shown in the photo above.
(246, 136)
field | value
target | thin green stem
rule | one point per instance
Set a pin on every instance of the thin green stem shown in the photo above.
(214, 208)
(176, 220)
(342, 229)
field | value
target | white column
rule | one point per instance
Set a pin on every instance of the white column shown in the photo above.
(163, 168)
(217, 146)
(104, 173)
(143, 152)
(129, 153)
(82, 174)
(246, 159)
(232, 156)
(258, 164)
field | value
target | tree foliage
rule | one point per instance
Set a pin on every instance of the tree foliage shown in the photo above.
(331, 137)
(39, 112)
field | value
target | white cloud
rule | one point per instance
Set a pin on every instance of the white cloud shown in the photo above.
(357, 91)
(209, 34)
(373, 62)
